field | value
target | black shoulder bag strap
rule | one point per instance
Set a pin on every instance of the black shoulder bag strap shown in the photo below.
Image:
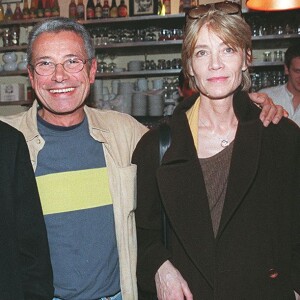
(164, 143)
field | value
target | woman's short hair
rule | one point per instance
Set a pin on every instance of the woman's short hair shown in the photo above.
(231, 29)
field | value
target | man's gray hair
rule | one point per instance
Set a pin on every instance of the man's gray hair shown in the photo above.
(57, 25)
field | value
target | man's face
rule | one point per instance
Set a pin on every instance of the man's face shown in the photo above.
(145, 4)
(61, 93)
(294, 76)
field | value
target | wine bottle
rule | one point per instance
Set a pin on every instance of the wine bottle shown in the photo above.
(47, 9)
(113, 12)
(55, 9)
(167, 4)
(33, 11)
(72, 10)
(122, 9)
(80, 10)
(18, 15)
(90, 10)
(105, 9)
(98, 10)
(40, 9)
(8, 13)
(1, 11)
(26, 11)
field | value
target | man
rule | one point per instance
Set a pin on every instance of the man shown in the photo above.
(25, 268)
(82, 161)
(288, 95)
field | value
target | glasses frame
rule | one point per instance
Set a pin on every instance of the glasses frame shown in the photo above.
(84, 61)
(228, 7)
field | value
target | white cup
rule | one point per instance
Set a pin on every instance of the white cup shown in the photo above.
(157, 84)
(155, 105)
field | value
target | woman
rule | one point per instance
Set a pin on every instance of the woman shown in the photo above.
(228, 185)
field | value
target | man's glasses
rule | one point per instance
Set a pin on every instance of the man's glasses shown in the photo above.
(46, 68)
(228, 7)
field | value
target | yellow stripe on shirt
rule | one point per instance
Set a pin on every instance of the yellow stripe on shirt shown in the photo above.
(74, 190)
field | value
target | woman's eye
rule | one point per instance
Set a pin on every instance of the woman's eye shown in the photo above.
(229, 50)
(201, 53)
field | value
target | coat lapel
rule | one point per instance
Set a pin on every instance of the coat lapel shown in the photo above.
(187, 206)
(244, 164)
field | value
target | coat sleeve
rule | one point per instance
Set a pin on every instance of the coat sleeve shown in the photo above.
(296, 220)
(151, 251)
(36, 270)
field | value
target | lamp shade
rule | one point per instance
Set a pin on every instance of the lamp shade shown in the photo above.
(273, 5)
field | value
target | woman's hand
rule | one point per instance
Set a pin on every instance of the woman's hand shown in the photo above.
(270, 112)
(170, 285)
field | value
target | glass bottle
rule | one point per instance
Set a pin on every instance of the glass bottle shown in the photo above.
(40, 9)
(167, 4)
(8, 13)
(105, 9)
(161, 8)
(1, 11)
(72, 10)
(98, 10)
(47, 9)
(122, 9)
(33, 11)
(181, 6)
(90, 10)
(26, 11)
(18, 15)
(80, 10)
(113, 12)
(186, 5)
(55, 9)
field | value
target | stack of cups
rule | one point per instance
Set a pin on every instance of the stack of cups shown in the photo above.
(97, 91)
(155, 99)
(139, 99)
(125, 93)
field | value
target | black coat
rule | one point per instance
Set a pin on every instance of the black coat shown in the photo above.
(25, 268)
(256, 253)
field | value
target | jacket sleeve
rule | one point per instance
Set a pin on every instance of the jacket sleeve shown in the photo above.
(296, 220)
(36, 270)
(151, 251)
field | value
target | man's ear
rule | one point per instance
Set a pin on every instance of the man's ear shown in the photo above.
(286, 70)
(93, 70)
(31, 75)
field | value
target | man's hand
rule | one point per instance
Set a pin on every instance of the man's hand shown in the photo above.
(170, 285)
(270, 112)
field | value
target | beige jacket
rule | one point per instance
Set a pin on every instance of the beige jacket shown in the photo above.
(119, 133)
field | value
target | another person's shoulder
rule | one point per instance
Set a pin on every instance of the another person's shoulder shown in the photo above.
(7, 130)
(114, 120)
(273, 90)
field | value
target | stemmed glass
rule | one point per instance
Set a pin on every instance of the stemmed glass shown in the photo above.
(102, 65)
(112, 64)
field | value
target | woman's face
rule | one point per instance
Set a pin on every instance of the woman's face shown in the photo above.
(145, 4)
(217, 67)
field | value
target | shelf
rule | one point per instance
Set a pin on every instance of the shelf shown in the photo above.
(134, 48)
(144, 73)
(267, 64)
(18, 48)
(142, 21)
(275, 37)
(21, 102)
(13, 73)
